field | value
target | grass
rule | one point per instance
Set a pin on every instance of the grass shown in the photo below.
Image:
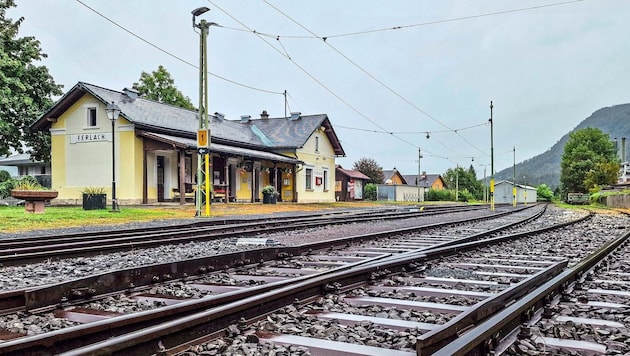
(15, 219)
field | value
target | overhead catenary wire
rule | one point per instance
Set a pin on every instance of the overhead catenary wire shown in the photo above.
(174, 55)
(373, 77)
(310, 75)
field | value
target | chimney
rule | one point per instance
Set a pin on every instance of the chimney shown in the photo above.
(131, 93)
(219, 116)
(295, 115)
(264, 115)
(245, 119)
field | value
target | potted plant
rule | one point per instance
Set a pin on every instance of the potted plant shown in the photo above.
(270, 196)
(94, 198)
(33, 193)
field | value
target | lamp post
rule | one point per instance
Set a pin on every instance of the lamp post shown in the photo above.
(514, 176)
(112, 112)
(203, 154)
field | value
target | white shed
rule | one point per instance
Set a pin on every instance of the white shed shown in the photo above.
(503, 193)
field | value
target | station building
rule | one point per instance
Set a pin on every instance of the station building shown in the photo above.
(154, 153)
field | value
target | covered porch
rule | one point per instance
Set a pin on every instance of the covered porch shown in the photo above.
(238, 174)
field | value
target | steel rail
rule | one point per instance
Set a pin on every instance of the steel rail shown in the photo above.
(40, 345)
(176, 335)
(130, 278)
(42, 251)
(483, 338)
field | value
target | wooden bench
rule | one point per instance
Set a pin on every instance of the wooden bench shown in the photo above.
(189, 194)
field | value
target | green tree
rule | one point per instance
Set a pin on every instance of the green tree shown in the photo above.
(160, 86)
(543, 192)
(588, 160)
(26, 89)
(370, 168)
(464, 180)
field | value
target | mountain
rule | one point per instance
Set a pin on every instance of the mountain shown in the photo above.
(545, 167)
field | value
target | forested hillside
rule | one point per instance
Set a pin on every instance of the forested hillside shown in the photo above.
(545, 167)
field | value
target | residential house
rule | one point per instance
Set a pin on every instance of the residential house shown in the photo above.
(428, 181)
(154, 149)
(349, 184)
(26, 166)
(394, 177)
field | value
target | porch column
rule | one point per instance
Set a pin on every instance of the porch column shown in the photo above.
(145, 194)
(182, 176)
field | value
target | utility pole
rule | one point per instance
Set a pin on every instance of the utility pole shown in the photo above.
(514, 177)
(491, 159)
(419, 174)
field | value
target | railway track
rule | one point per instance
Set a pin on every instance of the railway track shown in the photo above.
(582, 311)
(301, 263)
(24, 250)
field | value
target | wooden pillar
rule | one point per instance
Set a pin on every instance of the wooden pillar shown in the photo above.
(182, 176)
(145, 194)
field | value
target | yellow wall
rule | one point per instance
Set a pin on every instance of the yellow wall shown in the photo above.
(320, 160)
(82, 155)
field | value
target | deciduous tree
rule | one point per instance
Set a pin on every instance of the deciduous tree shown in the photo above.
(160, 86)
(588, 160)
(26, 89)
(370, 168)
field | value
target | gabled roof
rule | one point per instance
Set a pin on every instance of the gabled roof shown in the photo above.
(388, 174)
(288, 132)
(426, 180)
(352, 173)
(19, 159)
(152, 116)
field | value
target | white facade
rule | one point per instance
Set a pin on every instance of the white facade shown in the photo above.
(503, 193)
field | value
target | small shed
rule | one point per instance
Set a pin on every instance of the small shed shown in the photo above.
(349, 184)
(503, 193)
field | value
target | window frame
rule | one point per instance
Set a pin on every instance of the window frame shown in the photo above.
(308, 178)
(91, 117)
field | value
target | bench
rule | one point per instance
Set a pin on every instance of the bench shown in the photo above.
(189, 193)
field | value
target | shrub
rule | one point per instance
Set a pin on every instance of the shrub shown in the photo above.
(269, 189)
(440, 195)
(369, 191)
(93, 190)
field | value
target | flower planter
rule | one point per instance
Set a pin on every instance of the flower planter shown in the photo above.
(35, 200)
(94, 201)
(271, 198)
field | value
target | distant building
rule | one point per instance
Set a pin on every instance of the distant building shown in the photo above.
(428, 181)
(394, 177)
(349, 184)
(24, 165)
(524, 193)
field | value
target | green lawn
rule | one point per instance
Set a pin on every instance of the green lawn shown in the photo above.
(15, 219)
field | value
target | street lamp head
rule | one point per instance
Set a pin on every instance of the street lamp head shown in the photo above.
(198, 11)
(112, 111)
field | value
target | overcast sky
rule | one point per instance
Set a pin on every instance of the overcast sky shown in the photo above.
(388, 73)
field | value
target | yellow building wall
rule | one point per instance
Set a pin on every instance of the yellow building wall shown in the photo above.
(318, 155)
(82, 155)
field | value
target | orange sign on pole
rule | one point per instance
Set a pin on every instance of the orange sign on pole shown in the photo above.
(202, 138)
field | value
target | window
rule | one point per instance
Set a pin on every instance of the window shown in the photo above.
(91, 117)
(309, 178)
(316, 143)
(325, 180)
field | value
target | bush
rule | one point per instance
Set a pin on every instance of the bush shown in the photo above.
(369, 191)
(440, 195)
